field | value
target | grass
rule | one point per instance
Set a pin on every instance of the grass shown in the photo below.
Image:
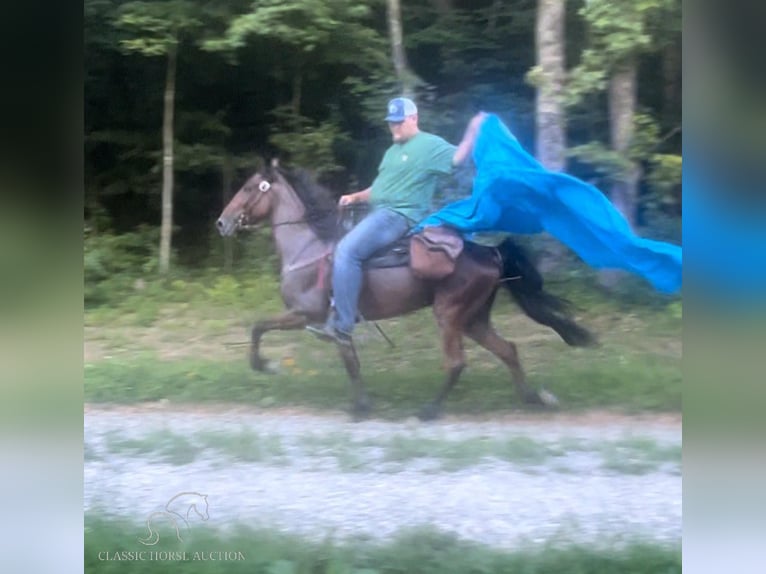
(639, 455)
(245, 446)
(187, 351)
(625, 456)
(169, 446)
(422, 551)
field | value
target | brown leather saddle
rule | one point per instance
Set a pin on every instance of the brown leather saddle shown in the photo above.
(431, 253)
(396, 254)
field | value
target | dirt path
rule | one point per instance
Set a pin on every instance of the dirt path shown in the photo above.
(504, 480)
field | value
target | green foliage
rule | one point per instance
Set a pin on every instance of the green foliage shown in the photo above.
(306, 143)
(305, 26)
(618, 30)
(303, 23)
(664, 170)
(308, 79)
(225, 290)
(422, 550)
(610, 164)
(664, 181)
(153, 27)
(113, 262)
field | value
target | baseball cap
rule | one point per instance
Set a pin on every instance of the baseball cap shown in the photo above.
(399, 108)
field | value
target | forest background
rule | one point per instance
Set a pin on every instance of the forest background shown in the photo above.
(218, 87)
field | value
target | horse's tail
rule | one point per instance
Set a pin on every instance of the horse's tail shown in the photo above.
(525, 284)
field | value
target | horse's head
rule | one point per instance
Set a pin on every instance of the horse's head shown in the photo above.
(252, 203)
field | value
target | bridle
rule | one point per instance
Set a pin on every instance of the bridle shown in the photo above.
(263, 187)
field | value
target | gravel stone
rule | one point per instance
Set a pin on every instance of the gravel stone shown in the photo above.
(495, 502)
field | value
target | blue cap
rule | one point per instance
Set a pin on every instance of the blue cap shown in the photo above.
(400, 108)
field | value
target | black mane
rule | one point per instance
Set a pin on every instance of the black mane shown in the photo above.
(321, 206)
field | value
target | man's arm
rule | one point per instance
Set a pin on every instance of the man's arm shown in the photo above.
(357, 197)
(465, 147)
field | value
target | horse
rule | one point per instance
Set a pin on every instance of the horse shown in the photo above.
(305, 227)
(177, 511)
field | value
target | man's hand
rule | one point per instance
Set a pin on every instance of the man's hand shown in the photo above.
(350, 198)
(476, 121)
(465, 147)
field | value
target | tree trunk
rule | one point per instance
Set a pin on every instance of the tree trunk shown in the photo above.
(166, 229)
(227, 173)
(550, 140)
(624, 191)
(551, 128)
(398, 55)
(622, 107)
(297, 91)
(671, 73)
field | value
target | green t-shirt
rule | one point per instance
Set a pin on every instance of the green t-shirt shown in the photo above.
(409, 174)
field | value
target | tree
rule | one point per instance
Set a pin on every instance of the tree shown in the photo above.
(404, 75)
(155, 29)
(548, 77)
(621, 31)
(334, 36)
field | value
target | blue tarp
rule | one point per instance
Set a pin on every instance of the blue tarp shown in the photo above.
(514, 193)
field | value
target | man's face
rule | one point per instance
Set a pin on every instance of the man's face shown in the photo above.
(404, 130)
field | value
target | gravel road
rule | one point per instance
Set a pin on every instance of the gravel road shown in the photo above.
(588, 478)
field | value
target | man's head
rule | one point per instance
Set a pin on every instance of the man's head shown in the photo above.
(402, 119)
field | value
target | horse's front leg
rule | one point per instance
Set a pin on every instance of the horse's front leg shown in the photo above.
(361, 404)
(454, 363)
(285, 322)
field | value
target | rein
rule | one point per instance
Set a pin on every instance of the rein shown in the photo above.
(295, 265)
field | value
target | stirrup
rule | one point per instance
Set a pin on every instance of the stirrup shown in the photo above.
(329, 334)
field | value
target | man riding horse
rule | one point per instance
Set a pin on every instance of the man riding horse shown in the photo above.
(401, 195)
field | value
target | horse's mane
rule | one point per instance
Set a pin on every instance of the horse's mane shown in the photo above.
(321, 207)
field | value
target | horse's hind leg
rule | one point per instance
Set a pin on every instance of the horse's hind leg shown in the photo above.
(454, 363)
(286, 321)
(482, 332)
(361, 404)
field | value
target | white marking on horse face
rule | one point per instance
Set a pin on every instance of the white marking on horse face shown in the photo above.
(264, 186)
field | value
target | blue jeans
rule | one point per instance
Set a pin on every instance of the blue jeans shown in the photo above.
(380, 228)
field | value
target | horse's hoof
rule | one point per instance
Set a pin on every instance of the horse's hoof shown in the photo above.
(271, 368)
(261, 366)
(430, 412)
(361, 412)
(541, 398)
(548, 399)
(257, 364)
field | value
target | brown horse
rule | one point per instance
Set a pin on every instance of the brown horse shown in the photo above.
(305, 226)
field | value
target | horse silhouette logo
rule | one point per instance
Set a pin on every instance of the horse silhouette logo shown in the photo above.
(177, 512)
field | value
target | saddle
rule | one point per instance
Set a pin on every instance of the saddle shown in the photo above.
(431, 253)
(396, 254)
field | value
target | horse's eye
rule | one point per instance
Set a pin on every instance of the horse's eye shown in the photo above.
(264, 186)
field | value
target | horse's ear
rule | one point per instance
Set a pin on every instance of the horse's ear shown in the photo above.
(272, 170)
